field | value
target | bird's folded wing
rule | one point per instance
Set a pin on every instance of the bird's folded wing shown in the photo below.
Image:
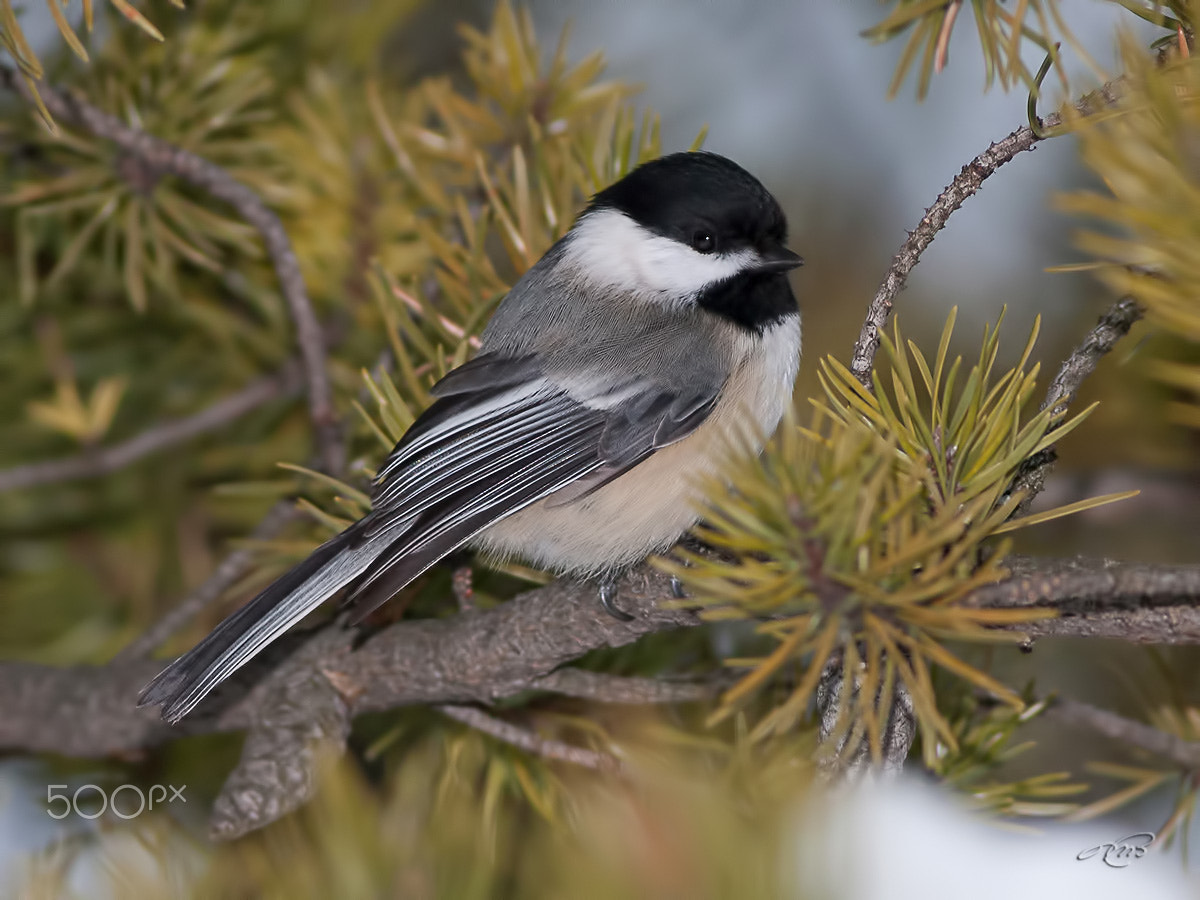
(500, 437)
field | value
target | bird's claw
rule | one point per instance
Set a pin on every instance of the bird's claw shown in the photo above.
(608, 599)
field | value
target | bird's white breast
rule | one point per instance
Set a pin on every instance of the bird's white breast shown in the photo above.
(648, 508)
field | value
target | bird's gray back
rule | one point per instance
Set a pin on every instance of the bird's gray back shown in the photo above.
(551, 314)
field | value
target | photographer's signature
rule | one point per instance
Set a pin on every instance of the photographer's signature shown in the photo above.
(1119, 854)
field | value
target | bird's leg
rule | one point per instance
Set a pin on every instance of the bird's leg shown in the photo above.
(677, 590)
(461, 583)
(608, 599)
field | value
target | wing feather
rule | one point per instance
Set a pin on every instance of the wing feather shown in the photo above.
(484, 461)
(547, 445)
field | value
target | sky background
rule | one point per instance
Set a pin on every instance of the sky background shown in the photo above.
(795, 94)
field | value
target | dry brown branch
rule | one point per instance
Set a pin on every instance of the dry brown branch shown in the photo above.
(1185, 754)
(964, 185)
(471, 657)
(1139, 603)
(528, 741)
(165, 158)
(307, 720)
(1113, 326)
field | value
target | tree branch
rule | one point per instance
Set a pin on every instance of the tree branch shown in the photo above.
(966, 183)
(298, 699)
(104, 461)
(604, 688)
(474, 657)
(286, 701)
(528, 741)
(850, 758)
(166, 158)
(1113, 326)
(1128, 731)
(307, 720)
(483, 656)
(969, 180)
(1134, 602)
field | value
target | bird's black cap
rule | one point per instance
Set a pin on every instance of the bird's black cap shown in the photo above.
(677, 194)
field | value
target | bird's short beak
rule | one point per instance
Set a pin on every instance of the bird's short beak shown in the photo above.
(778, 259)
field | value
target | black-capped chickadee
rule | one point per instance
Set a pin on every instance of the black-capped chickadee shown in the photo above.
(613, 374)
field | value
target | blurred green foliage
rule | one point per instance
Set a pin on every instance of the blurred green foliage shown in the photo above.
(984, 734)
(678, 827)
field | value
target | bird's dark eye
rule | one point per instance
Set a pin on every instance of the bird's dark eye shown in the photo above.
(703, 240)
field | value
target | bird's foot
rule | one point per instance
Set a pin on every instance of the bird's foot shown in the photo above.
(608, 599)
(677, 590)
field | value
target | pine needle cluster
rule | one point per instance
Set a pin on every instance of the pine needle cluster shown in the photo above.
(856, 539)
(1142, 229)
(1004, 31)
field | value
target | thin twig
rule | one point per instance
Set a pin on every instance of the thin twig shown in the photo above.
(227, 573)
(165, 158)
(1113, 326)
(105, 461)
(526, 740)
(1128, 731)
(966, 183)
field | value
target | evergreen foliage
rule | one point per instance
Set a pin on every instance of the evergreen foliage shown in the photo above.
(852, 544)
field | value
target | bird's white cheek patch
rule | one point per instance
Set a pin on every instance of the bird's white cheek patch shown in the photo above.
(613, 250)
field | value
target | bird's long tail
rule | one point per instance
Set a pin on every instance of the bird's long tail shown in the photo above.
(233, 643)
